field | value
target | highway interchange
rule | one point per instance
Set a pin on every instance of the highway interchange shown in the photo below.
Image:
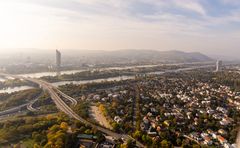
(62, 106)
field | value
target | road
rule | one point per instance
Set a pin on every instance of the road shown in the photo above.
(72, 100)
(30, 106)
(61, 105)
(13, 110)
(19, 108)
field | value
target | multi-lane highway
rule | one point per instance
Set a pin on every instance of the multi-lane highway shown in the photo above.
(19, 108)
(13, 110)
(30, 106)
(61, 105)
(72, 100)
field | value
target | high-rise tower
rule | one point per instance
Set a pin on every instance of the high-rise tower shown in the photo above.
(219, 65)
(58, 61)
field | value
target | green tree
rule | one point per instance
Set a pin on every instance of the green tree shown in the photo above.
(137, 134)
(179, 142)
(196, 146)
(164, 144)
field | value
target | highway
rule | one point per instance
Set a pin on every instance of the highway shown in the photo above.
(61, 105)
(20, 108)
(13, 110)
(29, 106)
(72, 100)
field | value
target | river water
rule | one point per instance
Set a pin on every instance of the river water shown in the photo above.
(2, 79)
(95, 80)
(38, 75)
(20, 88)
(42, 74)
(14, 89)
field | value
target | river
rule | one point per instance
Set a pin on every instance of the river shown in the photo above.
(15, 89)
(2, 79)
(38, 75)
(91, 81)
(42, 74)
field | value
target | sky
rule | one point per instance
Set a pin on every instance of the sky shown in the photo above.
(207, 26)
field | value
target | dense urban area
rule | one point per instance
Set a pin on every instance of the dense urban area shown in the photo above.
(176, 105)
(119, 74)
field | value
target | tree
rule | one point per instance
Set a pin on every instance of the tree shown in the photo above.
(102, 109)
(37, 138)
(131, 143)
(54, 128)
(164, 144)
(64, 126)
(100, 137)
(185, 143)
(156, 143)
(196, 146)
(59, 143)
(36, 146)
(29, 113)
(114, 104)
(148, 140)
(137, 134)
(88, 131)
(116, 126)
(233, 134)
(144, 138)
(179, 142)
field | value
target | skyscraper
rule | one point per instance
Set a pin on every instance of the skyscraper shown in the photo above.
(219, 65)
(58, 60)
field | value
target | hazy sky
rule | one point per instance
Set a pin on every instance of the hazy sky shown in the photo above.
(208, 26)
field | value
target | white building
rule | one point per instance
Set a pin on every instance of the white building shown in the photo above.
(58, 61)
(58, 58)
(219, 65)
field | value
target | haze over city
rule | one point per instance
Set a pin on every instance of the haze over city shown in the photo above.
(207, 26)
(119, 74)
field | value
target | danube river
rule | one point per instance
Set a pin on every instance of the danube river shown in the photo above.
(38, 75)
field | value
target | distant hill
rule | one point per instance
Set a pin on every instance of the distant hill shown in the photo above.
(78, 57)
(153, 56)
